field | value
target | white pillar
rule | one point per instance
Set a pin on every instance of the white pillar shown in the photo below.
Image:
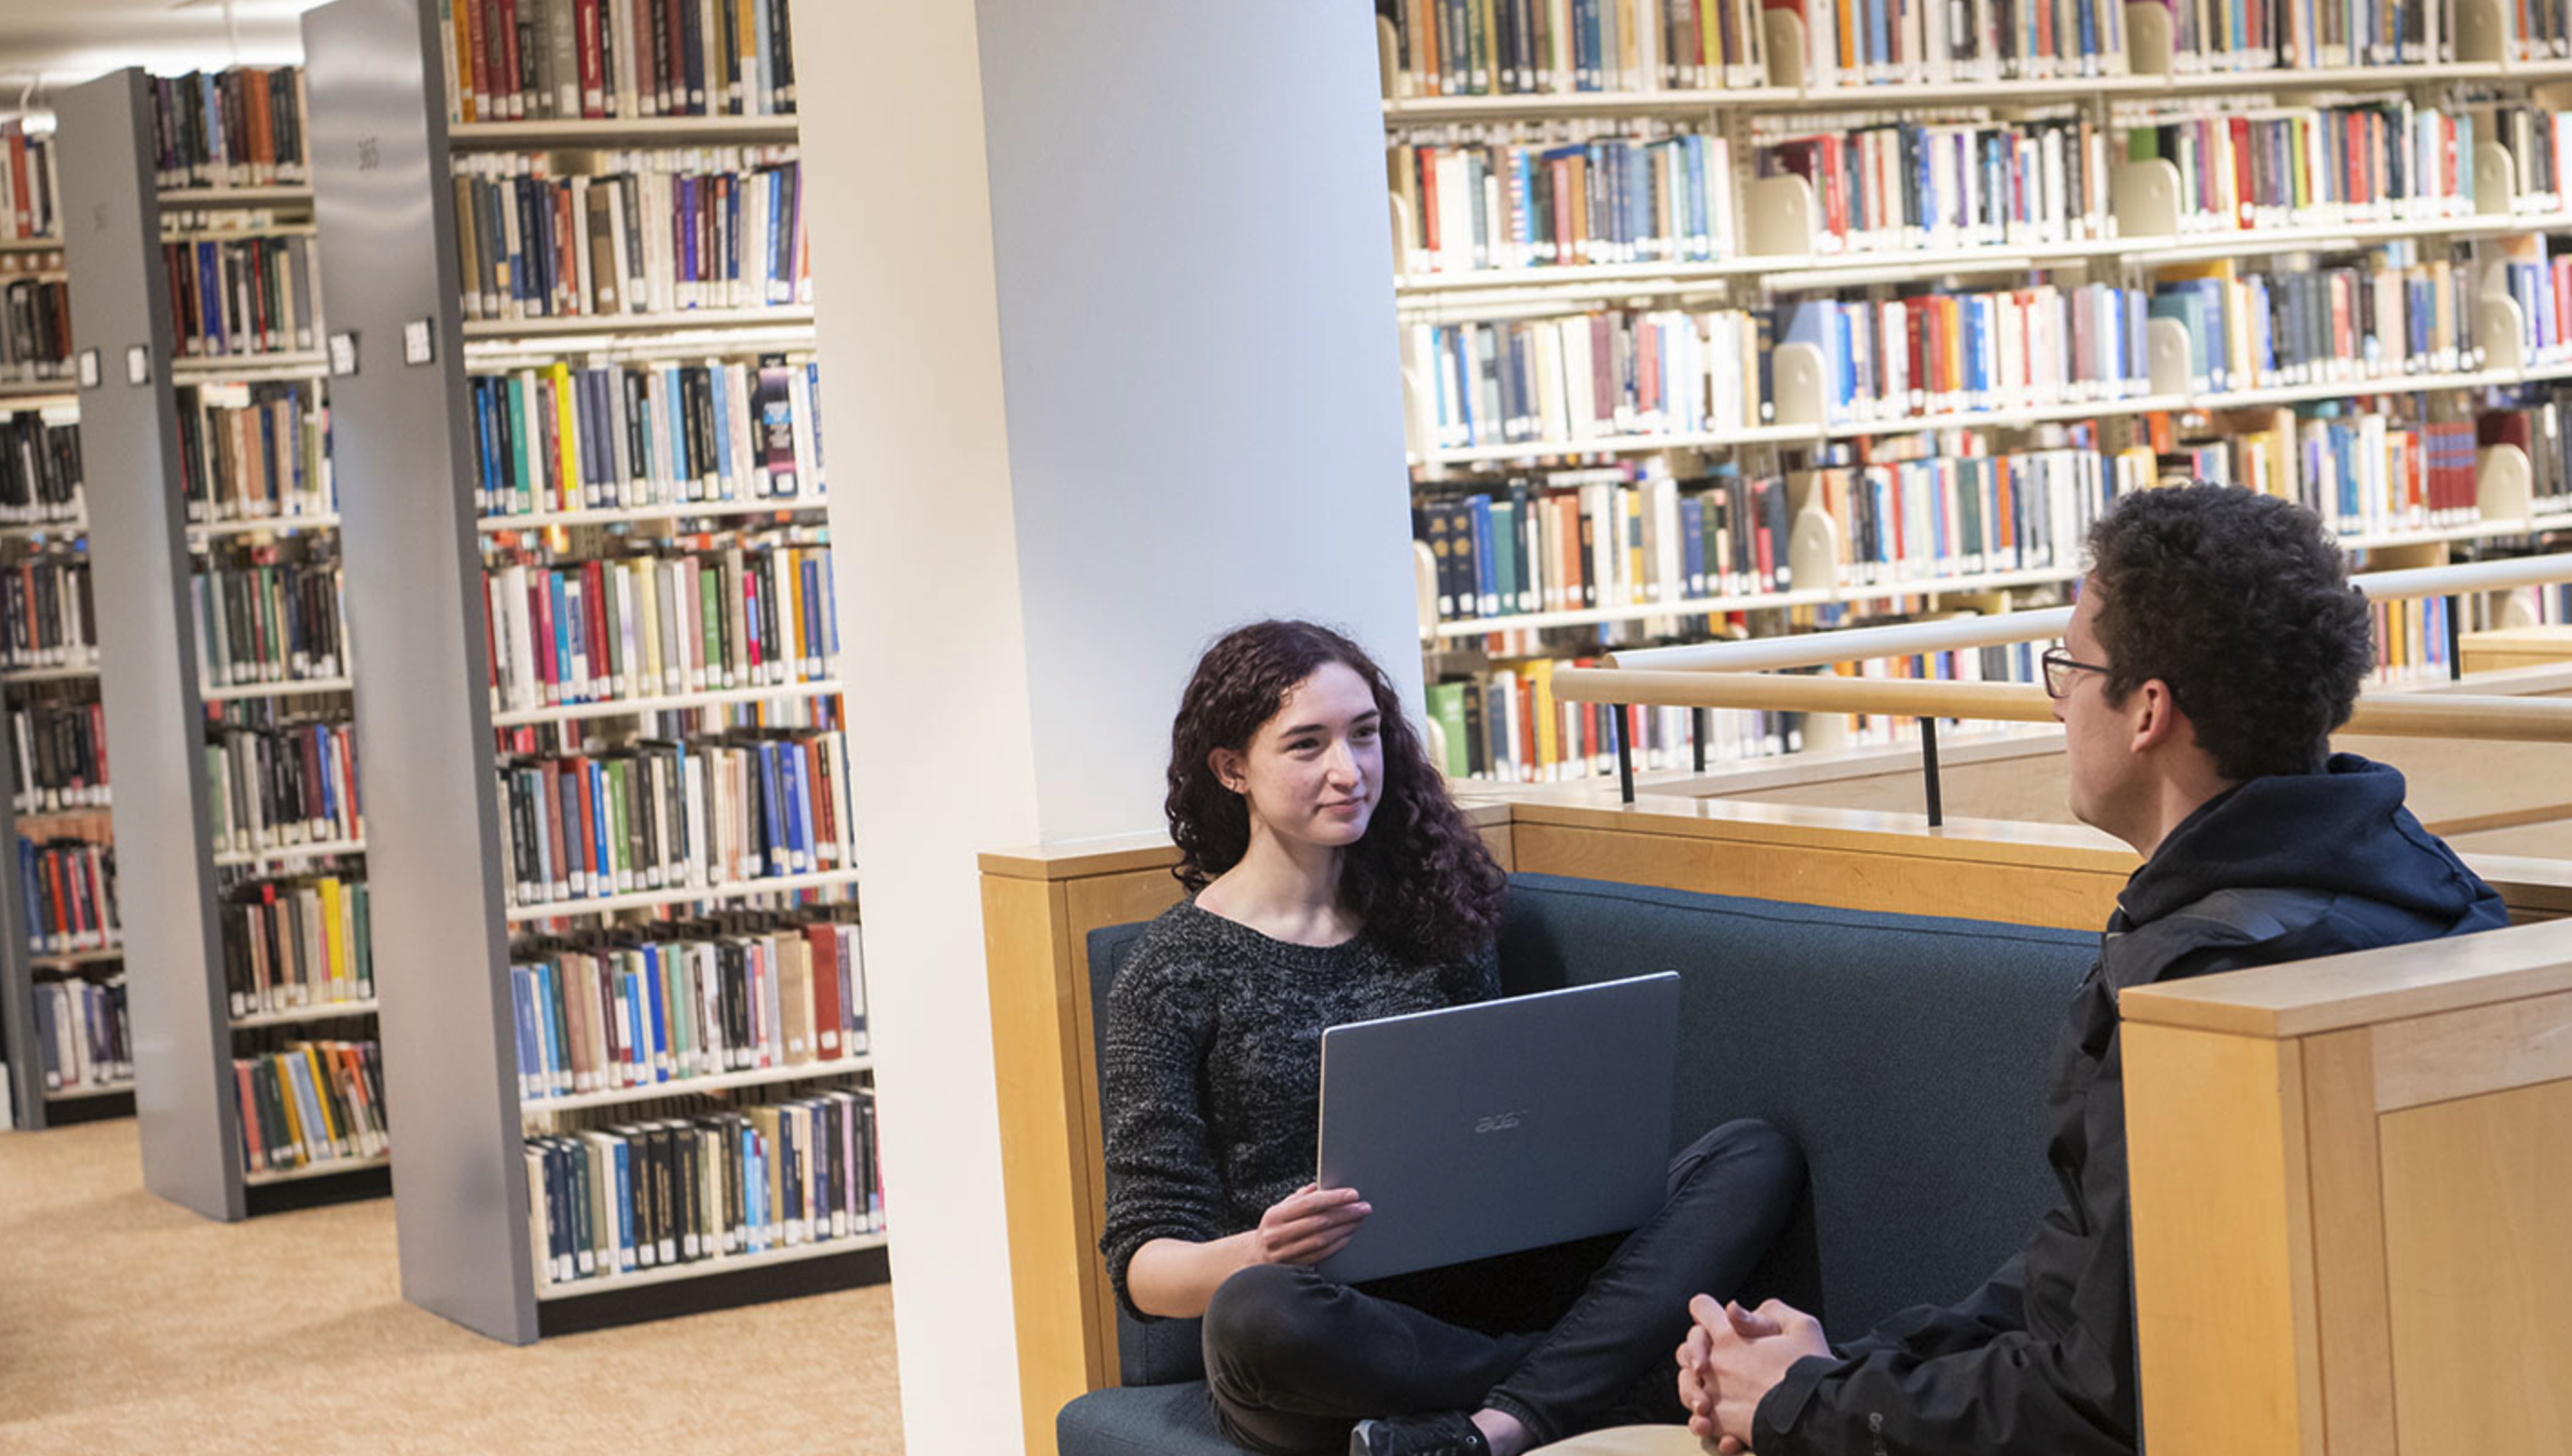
(1108, 366)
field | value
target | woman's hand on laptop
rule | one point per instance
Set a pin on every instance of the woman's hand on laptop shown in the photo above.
(1308, 1226)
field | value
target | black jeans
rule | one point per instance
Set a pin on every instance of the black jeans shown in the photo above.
(1554, 1337)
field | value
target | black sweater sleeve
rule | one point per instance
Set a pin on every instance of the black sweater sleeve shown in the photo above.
(1161, 1176)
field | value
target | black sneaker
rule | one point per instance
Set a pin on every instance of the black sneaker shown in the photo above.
(1447, 1434)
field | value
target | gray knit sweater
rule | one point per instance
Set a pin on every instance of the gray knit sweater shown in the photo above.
(1214, 1062)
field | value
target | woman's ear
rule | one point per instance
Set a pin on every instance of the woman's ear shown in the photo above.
(1227, 766)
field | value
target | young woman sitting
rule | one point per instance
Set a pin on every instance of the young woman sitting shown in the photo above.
(1334, 881)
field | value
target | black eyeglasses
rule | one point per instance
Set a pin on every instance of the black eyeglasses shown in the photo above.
(2059, 667)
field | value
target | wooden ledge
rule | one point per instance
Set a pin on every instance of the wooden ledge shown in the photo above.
(2337, 993)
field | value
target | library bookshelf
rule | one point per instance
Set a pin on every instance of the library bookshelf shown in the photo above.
(167, 712)
(61, 953)
(1499, 239)
(416, 387)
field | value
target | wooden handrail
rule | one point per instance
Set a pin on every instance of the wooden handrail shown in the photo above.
(1858, 644)
(2389, 715)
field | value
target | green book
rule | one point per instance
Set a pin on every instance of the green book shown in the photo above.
(1447, 710)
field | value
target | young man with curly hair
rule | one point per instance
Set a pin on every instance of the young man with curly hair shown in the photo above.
(2216, 645)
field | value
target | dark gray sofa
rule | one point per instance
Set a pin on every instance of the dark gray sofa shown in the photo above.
(1906, 1054)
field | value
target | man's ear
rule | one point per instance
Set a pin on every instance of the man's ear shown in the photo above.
(2155, 716)
(1227, 767)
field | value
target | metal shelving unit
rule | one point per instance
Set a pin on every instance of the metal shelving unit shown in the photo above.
(407, 463)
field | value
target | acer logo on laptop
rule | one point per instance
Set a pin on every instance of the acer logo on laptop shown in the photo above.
(1500, 1121)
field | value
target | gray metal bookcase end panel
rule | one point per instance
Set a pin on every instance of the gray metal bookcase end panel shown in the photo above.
(183, 1098)
(414, 564)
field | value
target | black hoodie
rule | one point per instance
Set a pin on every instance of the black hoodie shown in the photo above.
(2042, 1359)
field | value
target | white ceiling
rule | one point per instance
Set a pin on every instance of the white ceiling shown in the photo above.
(46, 45)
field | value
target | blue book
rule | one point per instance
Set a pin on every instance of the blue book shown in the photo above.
(531, 1083)
(556, 1041)
(771, 808)
(1692, 543)
(792, 811)
(210, 298)
(602, 882)
(719, 386)
(1486, 579)
(813, 391)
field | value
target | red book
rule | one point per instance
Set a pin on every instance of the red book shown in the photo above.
(504, 55)
(540, 605)
(604, 648)
(585, 807)
(593, 70)
(18, 179)
(825, 942)
(2244, 198)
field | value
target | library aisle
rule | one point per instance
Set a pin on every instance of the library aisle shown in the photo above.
(129, 1324)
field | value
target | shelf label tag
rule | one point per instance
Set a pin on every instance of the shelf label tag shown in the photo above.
(418, 346)
(88, 374)
(138, 364)
(344, 356)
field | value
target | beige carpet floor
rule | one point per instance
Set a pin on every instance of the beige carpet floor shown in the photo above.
(128, 1324)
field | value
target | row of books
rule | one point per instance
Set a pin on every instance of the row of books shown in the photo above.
(1540, 47)
(297, 944)
(634, 1197)
(269, 621)
(2410, 640)
(278, 787)
(81, 1038)
(241, 127)
(2541, 424)
(2316, 167)
(309, 1103)
(1922, 509)
(658, 625)
(30, 192)
(237, 297)
(2364, 473)
(566, 438)
(598, 234)
(1896, 357)
(1505, 723)
(668, 1009)
(59, 757)
(35, 329)
(51, 620)
(710, 814)
(1596, 376)
(1886, 185)
(254, 451)
(70, 889)
(2374, 321)
(40, 468)
(1520, 202)
(521, 60)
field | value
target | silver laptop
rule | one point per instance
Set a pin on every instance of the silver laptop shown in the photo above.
(1500, 1126)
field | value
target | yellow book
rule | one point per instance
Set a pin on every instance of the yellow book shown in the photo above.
(566, 438)
(335, 945)
(322, 1094)
(467, 108)
(292, 1108)
(1540, 674)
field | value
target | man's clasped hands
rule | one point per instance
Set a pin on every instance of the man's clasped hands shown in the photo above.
(1732, 1358)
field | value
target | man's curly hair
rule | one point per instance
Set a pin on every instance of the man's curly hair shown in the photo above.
(1418, 880)
(2240, 602)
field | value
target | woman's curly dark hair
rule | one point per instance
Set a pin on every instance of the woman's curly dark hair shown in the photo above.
(2241, 604)
(1420, 879)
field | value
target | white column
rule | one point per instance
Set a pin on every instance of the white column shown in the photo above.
(1108, 366)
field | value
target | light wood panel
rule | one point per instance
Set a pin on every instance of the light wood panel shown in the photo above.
(1919, 884)
(2224, 1289)
(2367, 988)
(1047, 1169)
(2478, 1230)
(2520, 647)
(2355, 1340)
(2480, 1048)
